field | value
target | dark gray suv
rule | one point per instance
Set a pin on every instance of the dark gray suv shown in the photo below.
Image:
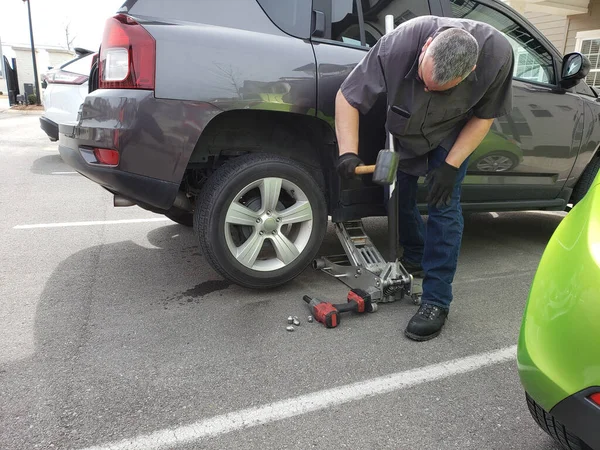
(220, 114)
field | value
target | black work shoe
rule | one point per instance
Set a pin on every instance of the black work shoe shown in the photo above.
(427, 323)
(415, 269)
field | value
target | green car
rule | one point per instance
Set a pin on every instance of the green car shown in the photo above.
(559, 345)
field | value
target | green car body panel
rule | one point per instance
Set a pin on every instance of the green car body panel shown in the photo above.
(559, 344)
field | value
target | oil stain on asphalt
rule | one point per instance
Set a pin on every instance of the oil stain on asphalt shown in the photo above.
(196, 293)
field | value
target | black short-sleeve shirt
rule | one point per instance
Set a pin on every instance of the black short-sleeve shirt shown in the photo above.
(431, 119)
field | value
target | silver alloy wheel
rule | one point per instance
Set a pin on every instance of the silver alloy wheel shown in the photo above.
(269, 234)
(495, 163)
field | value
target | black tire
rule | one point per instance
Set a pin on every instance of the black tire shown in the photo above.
(554, 428)
(513, 159)
(181, 217)
(221, 190)
(585, 181)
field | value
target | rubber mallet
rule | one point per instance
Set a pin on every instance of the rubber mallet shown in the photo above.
(384, 170)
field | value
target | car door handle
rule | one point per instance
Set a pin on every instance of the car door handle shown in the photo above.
(318, 24)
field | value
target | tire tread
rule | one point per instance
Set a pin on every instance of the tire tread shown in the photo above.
(554, 428)
(585, 181)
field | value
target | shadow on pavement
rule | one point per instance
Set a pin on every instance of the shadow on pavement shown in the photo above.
(130, 338)
(48, 164)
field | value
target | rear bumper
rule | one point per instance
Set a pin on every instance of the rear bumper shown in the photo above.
(149, 193)
(154, 137)
(580, 416)
(50, 128)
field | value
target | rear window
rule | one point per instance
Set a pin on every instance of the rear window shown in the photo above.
(292, 16)
(81, 66)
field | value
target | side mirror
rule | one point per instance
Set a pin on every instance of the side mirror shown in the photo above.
(575, 67)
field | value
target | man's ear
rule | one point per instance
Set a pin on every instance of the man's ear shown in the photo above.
(427, 43)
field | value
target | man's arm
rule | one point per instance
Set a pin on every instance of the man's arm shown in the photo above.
(442, 179)
(468, 140)
(357, 94)
(346, 125)
(496, 102)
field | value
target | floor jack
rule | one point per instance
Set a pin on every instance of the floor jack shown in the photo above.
(362, 266)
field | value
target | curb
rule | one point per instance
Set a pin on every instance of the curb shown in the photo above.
(22, 112)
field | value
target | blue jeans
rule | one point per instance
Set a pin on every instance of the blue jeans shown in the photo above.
(437, 245)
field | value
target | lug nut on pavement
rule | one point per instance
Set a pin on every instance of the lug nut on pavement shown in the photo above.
(290, 328)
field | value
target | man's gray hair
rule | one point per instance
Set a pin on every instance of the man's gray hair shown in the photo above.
(454, 52)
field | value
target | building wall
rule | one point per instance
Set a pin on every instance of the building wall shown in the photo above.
(553, 27)
(562, 30)
(583, 22)
(44, 59)
(25, 68)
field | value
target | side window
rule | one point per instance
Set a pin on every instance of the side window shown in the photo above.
(532, 61)
(344, 22)
(374, 12)
(344, 17)
(292, 16)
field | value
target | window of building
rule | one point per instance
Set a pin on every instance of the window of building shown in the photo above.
(588, 44)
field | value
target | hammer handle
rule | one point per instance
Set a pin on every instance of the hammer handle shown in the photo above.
(362, 170)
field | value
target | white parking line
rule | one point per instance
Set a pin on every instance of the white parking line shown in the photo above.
(63, 173)
(495, 215)
(87, 224)
(251, 417)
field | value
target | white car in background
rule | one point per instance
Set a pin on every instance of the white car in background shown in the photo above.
(63, 91)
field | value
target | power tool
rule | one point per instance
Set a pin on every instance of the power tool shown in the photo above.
(323, 312)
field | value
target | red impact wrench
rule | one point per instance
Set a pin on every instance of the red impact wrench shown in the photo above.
(359, 301)
(323, 312)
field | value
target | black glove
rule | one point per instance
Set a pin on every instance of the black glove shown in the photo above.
(347, 164)
(441, 183)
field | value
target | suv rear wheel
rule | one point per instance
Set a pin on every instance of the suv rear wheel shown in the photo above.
(260, 220)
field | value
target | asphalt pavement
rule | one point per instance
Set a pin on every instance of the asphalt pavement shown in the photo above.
(116, 333)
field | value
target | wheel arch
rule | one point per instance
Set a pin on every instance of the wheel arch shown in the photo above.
(306, 139)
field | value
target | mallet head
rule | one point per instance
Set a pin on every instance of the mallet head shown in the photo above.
(385, 167)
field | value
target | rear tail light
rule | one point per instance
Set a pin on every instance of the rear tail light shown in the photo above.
(106, 156)
(595, 398)
(64, 77)
(127, 55)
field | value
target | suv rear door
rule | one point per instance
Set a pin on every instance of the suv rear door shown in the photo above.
(338, 47)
